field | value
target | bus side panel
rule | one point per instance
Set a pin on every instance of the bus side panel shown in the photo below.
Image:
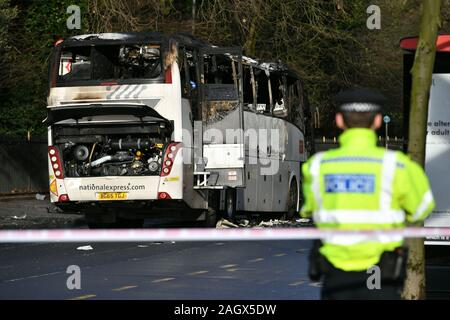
(192, 198)
(280, 166)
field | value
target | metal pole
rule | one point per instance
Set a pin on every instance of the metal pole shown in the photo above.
(387, 135)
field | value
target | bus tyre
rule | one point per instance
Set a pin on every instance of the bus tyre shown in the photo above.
(292, 200)
(230, 203)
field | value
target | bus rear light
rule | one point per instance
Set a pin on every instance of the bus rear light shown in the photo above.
(56, 162)
(169, 158)
(163, 196)
(63, 198)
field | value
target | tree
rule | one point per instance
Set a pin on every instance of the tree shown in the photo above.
(422, 72)
(7, 14)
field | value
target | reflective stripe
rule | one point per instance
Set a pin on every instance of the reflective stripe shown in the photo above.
(426, 200)
(360, 216)
(353, 159)
(315, 175)
(387, 178)
(346, 240)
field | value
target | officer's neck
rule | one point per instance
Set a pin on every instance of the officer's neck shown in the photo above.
(358, 137)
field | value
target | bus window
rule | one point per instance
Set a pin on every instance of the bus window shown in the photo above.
(295, 102)
(192, 66)
(248, 98)
(109, 62)
(262, 97)
(220, 91)
(218, 69)
(279, 106)
(189, 80)
(184, 73)
(75, 64)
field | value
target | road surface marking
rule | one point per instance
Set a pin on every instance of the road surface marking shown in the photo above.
(220, 277)
(297, 283)
(279, 255)
(240, 269)
(198, 272)
(226, 266)
(124, 288)
(86, 296)
(256, 260)
(35, 276)
(162, 280)
(316, 284)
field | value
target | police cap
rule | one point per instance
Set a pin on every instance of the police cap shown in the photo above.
(359, 100)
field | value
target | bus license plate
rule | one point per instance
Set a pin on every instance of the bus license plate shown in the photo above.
(112, 196)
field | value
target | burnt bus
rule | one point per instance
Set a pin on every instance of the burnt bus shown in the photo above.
(139, 127)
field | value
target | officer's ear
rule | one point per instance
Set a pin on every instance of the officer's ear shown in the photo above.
(340, 121)
(377, 121)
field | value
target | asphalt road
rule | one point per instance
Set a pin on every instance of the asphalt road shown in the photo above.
(207, 270)
(199, 271)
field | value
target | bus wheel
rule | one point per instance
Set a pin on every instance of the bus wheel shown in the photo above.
(292, 200)
(230, 203)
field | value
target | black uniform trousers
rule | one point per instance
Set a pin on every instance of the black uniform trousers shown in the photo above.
(338, 284)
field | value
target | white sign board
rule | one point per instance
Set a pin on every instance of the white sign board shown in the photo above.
(437, 161)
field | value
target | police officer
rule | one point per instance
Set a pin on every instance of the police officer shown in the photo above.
(362, 186)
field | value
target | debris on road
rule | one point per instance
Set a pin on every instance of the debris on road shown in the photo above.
(224, 224)
(257, 222)
(22, 217)
(85, 248)
(266, 223)
(40, 196)
(244, 223)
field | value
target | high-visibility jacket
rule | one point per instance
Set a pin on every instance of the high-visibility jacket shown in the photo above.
(362, 186)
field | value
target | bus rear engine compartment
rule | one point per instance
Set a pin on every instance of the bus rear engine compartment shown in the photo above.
(104, 155)
(116, 157)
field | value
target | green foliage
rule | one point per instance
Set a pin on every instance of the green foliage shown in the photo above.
(38, 24)
(7, 14)
(326, 42)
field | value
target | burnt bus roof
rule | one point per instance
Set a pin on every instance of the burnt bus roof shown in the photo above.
(159, 37)
(131, 37)
(114, 38)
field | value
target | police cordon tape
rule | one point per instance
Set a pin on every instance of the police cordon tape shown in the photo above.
(197, 234)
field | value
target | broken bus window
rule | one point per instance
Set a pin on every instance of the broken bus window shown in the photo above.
(109, 62)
